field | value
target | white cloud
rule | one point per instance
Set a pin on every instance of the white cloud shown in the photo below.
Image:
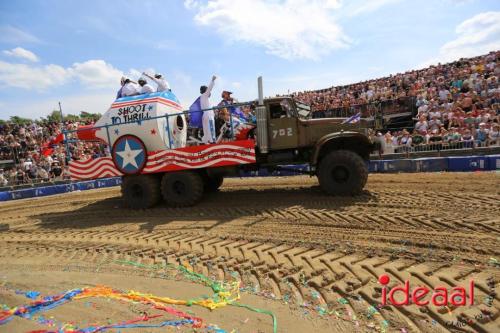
(31, 77)
(478, 35)
(368, 6)
(10, 34)
(93, 74)
(291, 29)
(96, 74)
(191, 4)
(460, 2)
(135, 73)
(19, 52)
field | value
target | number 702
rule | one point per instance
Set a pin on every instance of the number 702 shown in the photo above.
(282, 132)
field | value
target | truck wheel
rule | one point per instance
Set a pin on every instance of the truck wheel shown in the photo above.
(141, 191)
(212, 183)
(182, 189)
(342, 172)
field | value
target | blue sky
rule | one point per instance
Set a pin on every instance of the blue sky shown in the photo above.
(76, 51)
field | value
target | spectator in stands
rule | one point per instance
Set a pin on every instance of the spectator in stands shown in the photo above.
(405, 140)
(21, 177)
(444, 94)
(421, 101)
(494, 135)
(435, 124)
(422, 126)
(435, 112)
(454, 137)
(56, 169)
(3, 179)
(467, 139)
(418, 139)
(42, 174)
(388, 144)
(481, 135)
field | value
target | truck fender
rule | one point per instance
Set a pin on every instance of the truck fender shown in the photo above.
(348, 140)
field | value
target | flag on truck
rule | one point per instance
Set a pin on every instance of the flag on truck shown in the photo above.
(353, 119)
(195, 114)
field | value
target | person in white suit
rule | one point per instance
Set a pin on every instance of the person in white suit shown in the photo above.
(208, 118)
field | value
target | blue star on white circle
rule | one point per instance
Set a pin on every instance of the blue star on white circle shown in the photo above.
(129, 155)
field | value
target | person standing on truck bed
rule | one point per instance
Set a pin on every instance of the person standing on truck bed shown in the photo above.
(160, 81)
(130, 88)
(227, 101)
(122, 83)
(208, 118)
(145, 87)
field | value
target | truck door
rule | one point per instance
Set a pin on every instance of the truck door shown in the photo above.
(282, 126)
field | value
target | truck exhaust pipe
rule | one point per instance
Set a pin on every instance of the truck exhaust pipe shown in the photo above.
(261, 115)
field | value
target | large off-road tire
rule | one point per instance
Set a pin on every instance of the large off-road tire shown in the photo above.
(141, 191)
(342, 172)
(212, 183)
(182, 189)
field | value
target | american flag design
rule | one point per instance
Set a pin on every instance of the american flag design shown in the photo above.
(215, 155)
(93, 168)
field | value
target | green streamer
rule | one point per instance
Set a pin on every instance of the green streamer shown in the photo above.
(275, 322)
(217, 287)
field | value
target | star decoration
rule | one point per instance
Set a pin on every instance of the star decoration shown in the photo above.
(153, 131)
(117, 131)
(129, 155)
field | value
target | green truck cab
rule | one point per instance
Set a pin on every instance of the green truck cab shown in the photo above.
(336, 151)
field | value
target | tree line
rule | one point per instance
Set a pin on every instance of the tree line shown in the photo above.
(53, 117)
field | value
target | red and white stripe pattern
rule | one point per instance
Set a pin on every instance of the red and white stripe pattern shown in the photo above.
(160, 100)
(101, 167)
(216, 155)
(229, 153)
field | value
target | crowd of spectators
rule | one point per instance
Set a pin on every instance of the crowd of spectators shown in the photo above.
(479, 72)
(457, 104)
(28, 157)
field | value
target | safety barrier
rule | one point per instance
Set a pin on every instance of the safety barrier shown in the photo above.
(430, 164)
(435, 164)
(58, 189)
(285, 170)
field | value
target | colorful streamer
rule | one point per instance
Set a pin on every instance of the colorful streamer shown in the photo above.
(225, 293)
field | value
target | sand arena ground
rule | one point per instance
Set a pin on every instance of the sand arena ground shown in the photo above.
(295, 250)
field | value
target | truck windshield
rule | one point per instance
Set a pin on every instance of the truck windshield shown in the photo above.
(304, 110)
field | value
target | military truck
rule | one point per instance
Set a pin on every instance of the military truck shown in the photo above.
(284, 133)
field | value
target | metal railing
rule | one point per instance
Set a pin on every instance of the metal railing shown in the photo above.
(438, 146)
(33, 182)
(385, 108)
(107, 127)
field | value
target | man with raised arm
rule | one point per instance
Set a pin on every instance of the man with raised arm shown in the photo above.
(160, 81)
(208, 118)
